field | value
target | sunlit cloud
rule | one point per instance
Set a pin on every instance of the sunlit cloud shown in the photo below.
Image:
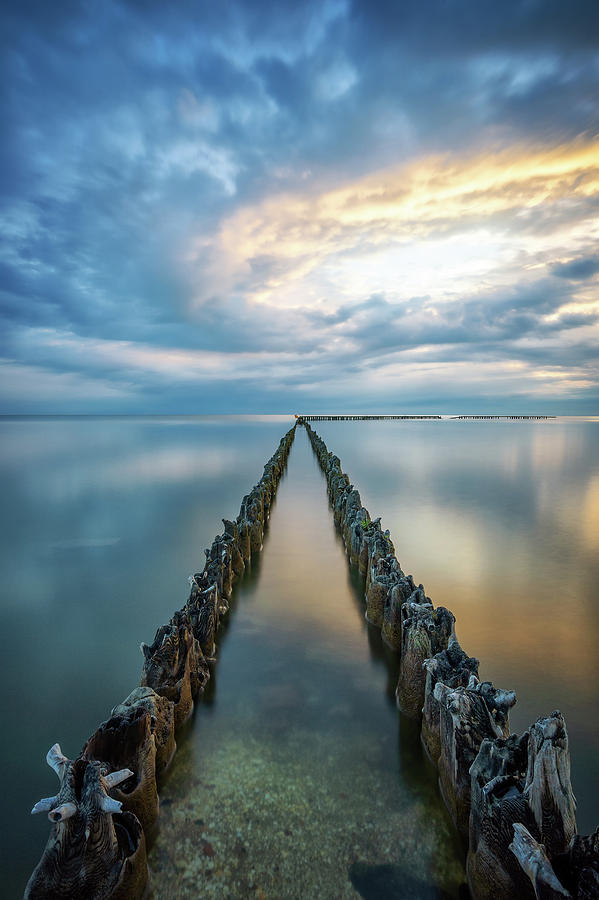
(440, 227)
(336, 204)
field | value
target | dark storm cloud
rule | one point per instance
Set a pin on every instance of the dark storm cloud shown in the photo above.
(578, 269)
(448, 28)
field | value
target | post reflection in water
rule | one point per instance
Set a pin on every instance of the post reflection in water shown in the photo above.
(297, 784)
(296, 758)
(500, 521)
(101, 522)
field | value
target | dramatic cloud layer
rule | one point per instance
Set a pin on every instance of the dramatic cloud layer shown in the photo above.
(331, 205)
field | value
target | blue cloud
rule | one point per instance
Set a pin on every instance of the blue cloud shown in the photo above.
(130, 127)
(578, 269)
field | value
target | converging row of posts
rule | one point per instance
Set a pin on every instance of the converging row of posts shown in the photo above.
(509, 795)
(107, 802)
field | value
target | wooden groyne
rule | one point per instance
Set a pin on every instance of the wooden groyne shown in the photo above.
(357, 418)
(535, 418)
(322, 418)
(509, 795)
(107, 802)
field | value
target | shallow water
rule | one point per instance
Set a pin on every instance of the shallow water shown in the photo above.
(500, 521)
(294, 781)
(103, 519)
(101, 522)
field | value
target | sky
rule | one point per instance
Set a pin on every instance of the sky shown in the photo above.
(332, 206)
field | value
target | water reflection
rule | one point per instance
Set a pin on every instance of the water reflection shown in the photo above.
(501, 522)
(589, 518)
(297, 775)
(101, 522)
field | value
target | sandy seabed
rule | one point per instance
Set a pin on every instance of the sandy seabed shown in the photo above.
(270, 816)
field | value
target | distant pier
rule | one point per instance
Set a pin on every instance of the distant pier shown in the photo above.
(503, 417)
(356, 418)
(359, 418)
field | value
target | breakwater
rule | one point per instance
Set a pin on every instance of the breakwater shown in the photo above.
(322, 418)
(535, 418)
(107, 802)
(358, 418)
(509, 795)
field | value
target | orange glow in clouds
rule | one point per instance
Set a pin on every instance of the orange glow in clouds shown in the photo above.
(437, 227)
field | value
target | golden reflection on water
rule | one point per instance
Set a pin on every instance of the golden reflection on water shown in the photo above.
(297, 593)
(294, 773)
(548, 455)
(500, 521)
(589, 518)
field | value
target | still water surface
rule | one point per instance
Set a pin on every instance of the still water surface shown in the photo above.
(101, 522)
(296, 759)
(500, 521)
(296, 781)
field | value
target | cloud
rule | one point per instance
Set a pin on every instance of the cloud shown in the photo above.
(254, 204)
(578, 269)
(437, 225)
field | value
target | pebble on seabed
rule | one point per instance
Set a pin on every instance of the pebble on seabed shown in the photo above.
(281, 823)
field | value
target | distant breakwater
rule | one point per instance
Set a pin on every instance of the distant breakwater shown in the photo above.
(107, 803)
(358, 418)
(509, 795)
(335, 418)
(510, 418)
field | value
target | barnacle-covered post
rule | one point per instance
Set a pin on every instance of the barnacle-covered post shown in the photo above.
(453, 668)
(94, 850)
(425, 631)
(509, 795)
(467, 716)
(523, 840)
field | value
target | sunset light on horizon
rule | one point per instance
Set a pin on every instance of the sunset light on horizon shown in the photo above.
(343, 205)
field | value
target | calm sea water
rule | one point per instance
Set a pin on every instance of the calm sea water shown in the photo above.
(296, 781)
(500, 522)
(296, 768)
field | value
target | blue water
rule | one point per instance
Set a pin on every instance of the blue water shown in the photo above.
(103, 519)
(500, 522)
(297, 779)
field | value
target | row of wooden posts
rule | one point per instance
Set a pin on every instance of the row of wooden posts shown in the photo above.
(323, 418)
(509, 795)
(107, 802)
